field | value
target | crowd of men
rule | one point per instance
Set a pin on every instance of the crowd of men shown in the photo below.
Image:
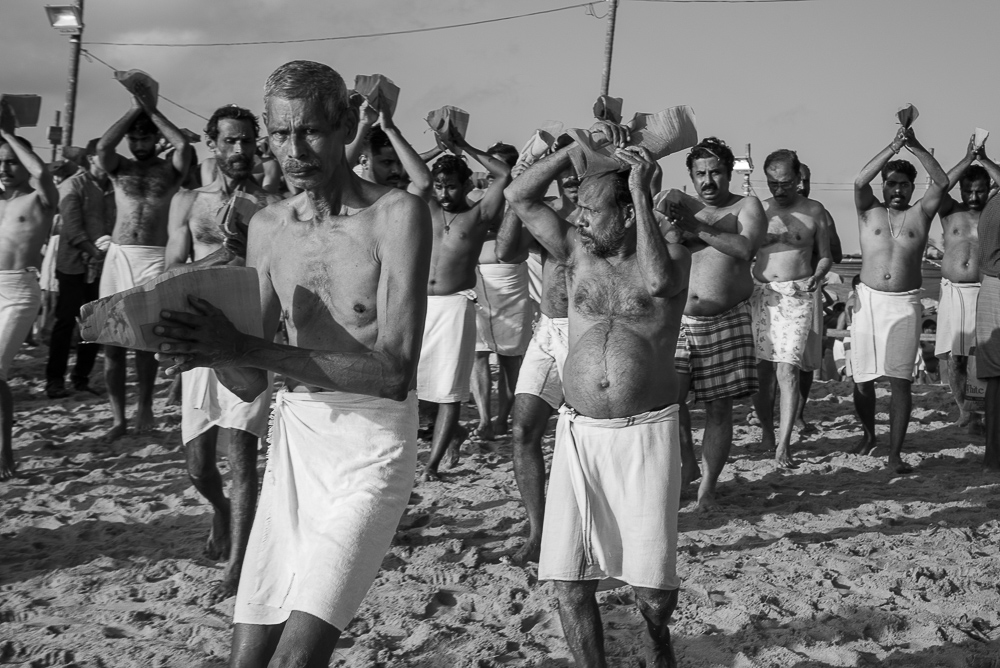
(385, 285)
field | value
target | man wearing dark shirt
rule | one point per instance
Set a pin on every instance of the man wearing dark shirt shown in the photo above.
(87, 208)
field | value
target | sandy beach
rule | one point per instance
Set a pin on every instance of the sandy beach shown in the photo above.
(836, 563)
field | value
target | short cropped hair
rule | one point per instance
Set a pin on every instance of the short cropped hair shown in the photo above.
(903, 167)
(143, 125)
(235, 113)
(307, 80)
(976, 173)
(504, 152)
(91, 148)
(376, 140)
(784, 155)
(451, 164)
(804, 171)
(712, 147)
(623, 194)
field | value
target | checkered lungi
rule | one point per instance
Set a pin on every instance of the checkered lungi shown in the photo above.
(718, 353)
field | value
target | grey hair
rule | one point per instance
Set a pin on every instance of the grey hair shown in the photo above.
(307, 80)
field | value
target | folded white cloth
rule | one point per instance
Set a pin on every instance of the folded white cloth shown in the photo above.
(339, 474)
(956, 321)
(207, 403)
(126, 267)
(20, 299)
(885, 333)
(449, 348)
(504, 310)
(541, 369)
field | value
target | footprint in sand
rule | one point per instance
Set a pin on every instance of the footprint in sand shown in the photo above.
(441, 602)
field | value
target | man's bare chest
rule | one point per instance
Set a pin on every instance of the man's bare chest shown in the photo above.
(608, 292)
(151, 184)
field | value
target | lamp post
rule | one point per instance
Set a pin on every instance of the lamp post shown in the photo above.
(68, 20)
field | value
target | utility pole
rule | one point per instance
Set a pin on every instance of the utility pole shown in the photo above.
(55, 137)
(74, 72)
(609, 43)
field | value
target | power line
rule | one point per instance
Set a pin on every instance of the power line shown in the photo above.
(90, 55)
(342, 37)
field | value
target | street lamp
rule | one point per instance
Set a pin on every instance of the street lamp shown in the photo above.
(68, 20)
(744, 165)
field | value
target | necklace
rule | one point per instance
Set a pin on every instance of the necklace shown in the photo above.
(447, 223)
(888, 213)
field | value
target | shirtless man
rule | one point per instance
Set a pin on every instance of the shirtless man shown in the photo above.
(143, 186)
(885, 332)
(539, 391)
(617, 443)
(28, 202)
(716, 357)
(346, 262)
(956, 331)
(784, 300)
(813, 359)
(385, 156)
(504, 313)
(210, 412)
(988, 317)
(448, 352)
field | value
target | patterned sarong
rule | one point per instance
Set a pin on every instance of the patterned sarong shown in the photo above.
(718, 353)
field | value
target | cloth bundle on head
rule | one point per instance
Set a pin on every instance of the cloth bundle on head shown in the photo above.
(25, 108)
(979, 138)
(540, 142)
(662, 133)
(906, 115)
(380, 92)
(447, 119)
(608, 108)
(135, 80)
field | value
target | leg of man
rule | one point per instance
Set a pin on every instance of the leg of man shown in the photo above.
(864, 405)
(481, 394)
(715, 449)
(991, 458)
(86, 353)
(115, 359)
(205, 476)
(957, 377)
(805, 384)
(581, 622)
(509, 368)
(7, 467)
(146, 367)
(254, 644)
(448, 435)
(243, 467)
(788, 382)
(689, 463)
(899, 421)
(67, 308)
(656, 606)
(306, 642)
(531, 416)
(763, 403)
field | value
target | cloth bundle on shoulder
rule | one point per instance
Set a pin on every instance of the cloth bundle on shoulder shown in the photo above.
(662, 133)
(380, 92)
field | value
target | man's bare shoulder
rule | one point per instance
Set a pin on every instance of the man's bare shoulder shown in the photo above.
(398, 210)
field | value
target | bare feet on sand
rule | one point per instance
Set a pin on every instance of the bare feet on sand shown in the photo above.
(707, 503)
(783, 459)
(804, 428)
(218, 544)
(454, 454)
(8, 469)
(898, 465)
(145, 423)
(430, 475)
(226, 588)
(689, 474)
(117, 430)
(500, 427)
(865, 445)
(485, 431)
(530, 551)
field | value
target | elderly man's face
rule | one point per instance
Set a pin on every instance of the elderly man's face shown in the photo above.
(235, 147)
(599, 220)
(307, 145)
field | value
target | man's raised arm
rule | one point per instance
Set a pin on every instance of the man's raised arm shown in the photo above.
(107, 157)
(178, 232)
(954, 176)
(864, 198)
(41, 179)
(662, 275)
(991, 167)
(492, 204)
(416, 168)
(513, 241)
(526, 198)
(181, 159)
(931, 200)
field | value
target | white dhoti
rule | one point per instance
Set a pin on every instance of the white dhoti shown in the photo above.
(126, 267)
(448, 350)
(47, 275)
(20, 299)
(614, 492)
(534, 263)
(207, 403)
(783, 314)
(339, 474)
(504, 310)
(541, 369)
(885, 334)
(956, 321)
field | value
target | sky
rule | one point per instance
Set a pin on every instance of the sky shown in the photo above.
(822, 77)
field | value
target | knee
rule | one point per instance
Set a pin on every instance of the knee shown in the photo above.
(202, 473)
(656, 604)
(574, 594)
(294, 657)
